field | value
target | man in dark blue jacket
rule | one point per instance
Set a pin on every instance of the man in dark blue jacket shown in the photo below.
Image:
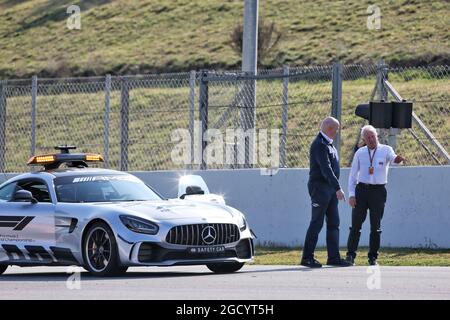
(325, 191)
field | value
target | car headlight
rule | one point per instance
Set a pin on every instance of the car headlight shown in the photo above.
(139, 225)
(242, 223)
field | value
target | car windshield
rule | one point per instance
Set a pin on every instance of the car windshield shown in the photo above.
(102, 188)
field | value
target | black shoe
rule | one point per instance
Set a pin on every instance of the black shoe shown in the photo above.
(339, 263)
(373, 262)
(350, 260)
(311, 263)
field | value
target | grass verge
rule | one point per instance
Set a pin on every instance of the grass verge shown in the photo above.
(123, 37)
(387, 256)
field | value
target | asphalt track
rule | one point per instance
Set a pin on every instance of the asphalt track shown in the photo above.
(252, 282)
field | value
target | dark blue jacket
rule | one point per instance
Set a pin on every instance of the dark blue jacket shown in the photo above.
(324, 164)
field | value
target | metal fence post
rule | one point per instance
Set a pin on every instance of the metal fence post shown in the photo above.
(248, 117)
(284, 116)
(192, 115)
(382, 95)
(203, 114)
(2, 125)
(381, 76)
(106, 120)
(392, 134)
(250, 65)
(336, 106)
(124, 119)
(388, 136)
(34, 87)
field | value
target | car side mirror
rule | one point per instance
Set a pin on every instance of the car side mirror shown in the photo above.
(24, 196)
(191, 182)
(190, 190)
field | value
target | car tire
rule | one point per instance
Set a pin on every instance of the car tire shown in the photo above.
(3, 268)
(226, 267)
(100, 253)
(121, 271)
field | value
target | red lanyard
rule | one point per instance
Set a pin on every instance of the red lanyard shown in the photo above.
(371, 160)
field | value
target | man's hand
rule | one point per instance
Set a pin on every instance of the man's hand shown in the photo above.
(399, 159)
(340, 194)
(352, 202)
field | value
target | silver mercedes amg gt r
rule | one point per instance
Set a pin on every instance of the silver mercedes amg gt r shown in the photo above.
(107, 221)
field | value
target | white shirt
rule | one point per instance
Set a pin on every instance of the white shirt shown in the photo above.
(384, 155)
(326, 137)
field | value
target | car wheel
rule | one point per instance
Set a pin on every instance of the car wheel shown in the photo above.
(225, 267)
(100, 252)
(3, 268)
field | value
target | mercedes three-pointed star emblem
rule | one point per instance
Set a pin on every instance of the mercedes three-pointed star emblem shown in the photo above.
(209, 235)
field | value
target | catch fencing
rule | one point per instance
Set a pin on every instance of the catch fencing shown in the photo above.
(213, 120)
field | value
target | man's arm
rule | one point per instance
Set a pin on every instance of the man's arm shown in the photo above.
(321, 156)
(353, 176)
(394, 158)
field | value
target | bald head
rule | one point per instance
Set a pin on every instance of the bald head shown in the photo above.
(329, 126)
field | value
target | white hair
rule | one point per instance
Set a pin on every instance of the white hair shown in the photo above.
(368, 128)
(328, 122)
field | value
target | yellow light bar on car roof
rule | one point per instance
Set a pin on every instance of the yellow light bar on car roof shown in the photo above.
(49, 158)
(94, 157)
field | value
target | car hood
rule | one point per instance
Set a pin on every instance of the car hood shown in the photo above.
(173, 209)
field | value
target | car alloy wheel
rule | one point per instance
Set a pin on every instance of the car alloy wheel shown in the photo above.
(98, 248)
(100, 252)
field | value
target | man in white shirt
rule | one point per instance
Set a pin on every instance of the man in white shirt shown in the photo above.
(366, 187)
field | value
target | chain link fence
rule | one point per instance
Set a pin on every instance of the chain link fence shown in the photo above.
(429, 90)
(156, 122)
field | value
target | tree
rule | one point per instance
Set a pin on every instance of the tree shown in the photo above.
(268, 38)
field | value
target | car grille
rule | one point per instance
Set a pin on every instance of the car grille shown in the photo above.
(154, 253)
(203, 234)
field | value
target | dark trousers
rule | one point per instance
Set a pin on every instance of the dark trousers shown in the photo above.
(372, 198)
(324, 204)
